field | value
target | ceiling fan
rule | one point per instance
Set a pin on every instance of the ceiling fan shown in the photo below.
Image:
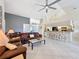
(48, 6)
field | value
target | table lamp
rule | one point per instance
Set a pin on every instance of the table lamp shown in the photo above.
(10, 31)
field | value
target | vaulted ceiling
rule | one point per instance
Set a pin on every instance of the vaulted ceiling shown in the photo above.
(29, 8)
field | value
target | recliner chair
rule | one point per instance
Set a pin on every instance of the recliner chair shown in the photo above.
(7, 54)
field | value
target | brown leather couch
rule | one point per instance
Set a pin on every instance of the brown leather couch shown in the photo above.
(14, 38)
(25, 37)
(15, 41)
(7, 54)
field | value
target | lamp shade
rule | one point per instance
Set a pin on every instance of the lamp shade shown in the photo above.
(10, 31)
(3, 38)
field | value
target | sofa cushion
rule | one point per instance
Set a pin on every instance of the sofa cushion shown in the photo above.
(2, 50)
(10, 46)
(17, 39)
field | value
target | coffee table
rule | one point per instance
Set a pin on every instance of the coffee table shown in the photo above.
(33, 41)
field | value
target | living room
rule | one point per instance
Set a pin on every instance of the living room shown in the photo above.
(39, 29)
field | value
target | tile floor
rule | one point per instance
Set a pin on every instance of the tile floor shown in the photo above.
(53, 49)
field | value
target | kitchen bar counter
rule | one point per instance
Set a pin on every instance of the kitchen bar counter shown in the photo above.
(60, 35)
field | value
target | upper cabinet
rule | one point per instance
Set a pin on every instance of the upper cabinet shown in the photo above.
(2, 18)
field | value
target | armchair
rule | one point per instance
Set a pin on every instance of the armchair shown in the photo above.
(7, 54)
(7, 51)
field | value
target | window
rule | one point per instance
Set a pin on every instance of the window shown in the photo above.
(35, 28)
(34, 25)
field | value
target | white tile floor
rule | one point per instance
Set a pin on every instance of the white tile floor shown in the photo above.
(54, 49)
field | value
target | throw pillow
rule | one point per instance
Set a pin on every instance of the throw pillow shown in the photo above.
(10, 46)
(31, 35)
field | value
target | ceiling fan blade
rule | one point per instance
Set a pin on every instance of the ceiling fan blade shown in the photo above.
(46, 10)
(52, 8)
(42, 9)
(54, 2)
(46, 2)
(40, 5)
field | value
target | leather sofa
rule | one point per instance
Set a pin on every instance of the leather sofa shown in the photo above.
(11, 35)
(15, 41)
(14, 38)
(25, 37)
(8, 54)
